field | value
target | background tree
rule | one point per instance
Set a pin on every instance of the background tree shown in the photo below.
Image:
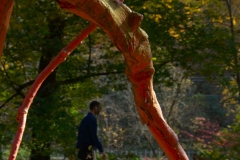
(183, 104)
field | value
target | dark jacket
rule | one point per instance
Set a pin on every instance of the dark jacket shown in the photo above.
(87, 133)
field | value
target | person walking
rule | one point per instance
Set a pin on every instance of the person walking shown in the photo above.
(87, 134)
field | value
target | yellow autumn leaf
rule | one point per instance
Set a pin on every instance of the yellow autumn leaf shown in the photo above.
(168, 6)
(173, 33)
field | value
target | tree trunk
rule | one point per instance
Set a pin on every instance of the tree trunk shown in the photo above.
(52, 44)
(122, 26)
(23, 110)
(5, 14)
(236, 52)
(1, 154)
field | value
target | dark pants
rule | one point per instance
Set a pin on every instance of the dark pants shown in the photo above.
(85, 153)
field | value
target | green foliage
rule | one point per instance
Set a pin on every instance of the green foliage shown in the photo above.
(226, 146)
(187, 34)
(23, 153)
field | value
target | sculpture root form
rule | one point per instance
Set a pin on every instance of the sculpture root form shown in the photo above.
(6, 7)
(122, 26)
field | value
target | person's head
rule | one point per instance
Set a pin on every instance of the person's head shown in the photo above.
(95, 107)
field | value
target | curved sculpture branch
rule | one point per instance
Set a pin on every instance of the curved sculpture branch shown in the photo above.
(122, 26)
(23, 110)
(5, 14)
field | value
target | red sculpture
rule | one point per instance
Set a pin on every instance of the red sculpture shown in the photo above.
(122, 26)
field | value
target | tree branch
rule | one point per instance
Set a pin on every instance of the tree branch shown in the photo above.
(58, 84)
(81, 78)
(9, 99)
(14, 85)
(18, 92)
(178, 90)
(7, 76)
